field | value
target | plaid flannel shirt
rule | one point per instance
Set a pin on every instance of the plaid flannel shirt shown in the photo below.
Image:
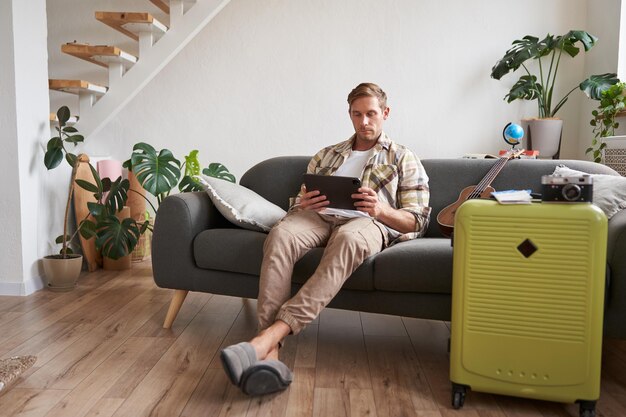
(393, 171)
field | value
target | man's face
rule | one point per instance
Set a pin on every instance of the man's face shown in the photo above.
(367, 118)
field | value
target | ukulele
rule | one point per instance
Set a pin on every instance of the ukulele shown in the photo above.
(445, 218)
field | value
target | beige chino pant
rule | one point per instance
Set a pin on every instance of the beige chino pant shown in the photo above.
(348, 242)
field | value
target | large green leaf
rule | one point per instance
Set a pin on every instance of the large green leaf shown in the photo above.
(75, 139)
(595, 85)
(71, 159)
(117, 196)
(218, 170)
(95, 209)
(86, 185)
(526, 88)
(189, 184)
(568, 41)
(53, 158)
(87, 229)
(157, 173)
(117, 239)
(63, 114)
(522, 50)
(192, 165)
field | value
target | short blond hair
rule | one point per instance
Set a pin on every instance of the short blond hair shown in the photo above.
(368, 90)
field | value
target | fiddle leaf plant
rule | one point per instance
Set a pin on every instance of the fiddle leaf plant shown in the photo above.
(547, 54)
(115, 238)
(604, 118)
(56, 152)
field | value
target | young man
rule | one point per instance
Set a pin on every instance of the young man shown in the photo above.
(391, 205)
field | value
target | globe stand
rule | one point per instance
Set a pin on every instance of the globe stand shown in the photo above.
(512, 135)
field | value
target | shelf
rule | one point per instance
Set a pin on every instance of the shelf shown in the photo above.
(76, 87)
(131, 23)
(99, 54)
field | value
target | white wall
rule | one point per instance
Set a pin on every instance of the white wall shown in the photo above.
(604, 22)
(270, 78)
(24, 125)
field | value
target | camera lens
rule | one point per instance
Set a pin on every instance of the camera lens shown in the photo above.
(571, 192)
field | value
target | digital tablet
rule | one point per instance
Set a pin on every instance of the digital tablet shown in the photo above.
(338, 190)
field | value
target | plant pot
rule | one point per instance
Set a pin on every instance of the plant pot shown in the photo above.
(544, 135)
(62, 273)
(142, 250)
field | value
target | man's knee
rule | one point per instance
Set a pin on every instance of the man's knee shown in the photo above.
(279, 237)
(364, 237)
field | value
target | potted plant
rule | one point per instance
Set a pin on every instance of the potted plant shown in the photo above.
(604, 118)
(62, 270)
(116, 236)
(545, 132)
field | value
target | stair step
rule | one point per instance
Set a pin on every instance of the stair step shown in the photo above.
(164, 5)
(132, 23)
(99, 54)
(76, 86)
(161, 4)
(71, 121)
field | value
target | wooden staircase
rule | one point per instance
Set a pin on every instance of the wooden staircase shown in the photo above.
(128, 74)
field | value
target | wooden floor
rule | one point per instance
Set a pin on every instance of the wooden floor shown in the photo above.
(102, 352)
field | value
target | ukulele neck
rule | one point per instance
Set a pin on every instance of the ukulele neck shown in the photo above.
(488, 179)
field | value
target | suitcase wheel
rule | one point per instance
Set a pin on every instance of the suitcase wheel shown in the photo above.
(458, 395)
(587, 408)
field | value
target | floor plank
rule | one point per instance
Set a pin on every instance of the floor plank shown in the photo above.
(168, 386)
(29, 402)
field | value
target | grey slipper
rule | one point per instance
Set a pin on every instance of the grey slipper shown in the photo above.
(236, 359)
(265, 377)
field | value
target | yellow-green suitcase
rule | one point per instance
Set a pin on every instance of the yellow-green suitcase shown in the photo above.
(527, 301)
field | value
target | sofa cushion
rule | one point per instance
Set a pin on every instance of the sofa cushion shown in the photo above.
(232, 250)
(241, 251)
(420, 265)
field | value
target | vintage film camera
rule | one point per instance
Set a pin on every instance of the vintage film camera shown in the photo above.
(574, 189)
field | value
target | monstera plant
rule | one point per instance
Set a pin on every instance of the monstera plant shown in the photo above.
(539, 80)
(547, 54)
(160, 172)
(115, 238)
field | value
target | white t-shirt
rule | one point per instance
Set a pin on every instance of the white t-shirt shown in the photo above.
(353, 166)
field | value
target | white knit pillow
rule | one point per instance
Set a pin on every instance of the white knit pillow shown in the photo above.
(240, 205)
(609, 191)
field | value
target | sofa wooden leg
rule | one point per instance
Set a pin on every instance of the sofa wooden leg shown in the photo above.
(175, 304)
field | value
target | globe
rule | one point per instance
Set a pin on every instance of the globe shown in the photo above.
(513, 134)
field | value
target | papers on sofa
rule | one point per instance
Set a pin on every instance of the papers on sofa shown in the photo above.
(513, 196)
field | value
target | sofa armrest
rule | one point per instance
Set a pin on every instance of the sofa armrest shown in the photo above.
(616, 259)
(616, 245)
(179, 219)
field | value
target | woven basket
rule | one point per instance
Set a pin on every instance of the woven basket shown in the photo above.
(142, 250)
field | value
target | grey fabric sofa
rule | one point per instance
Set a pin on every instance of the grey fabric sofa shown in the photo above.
(196, 249)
